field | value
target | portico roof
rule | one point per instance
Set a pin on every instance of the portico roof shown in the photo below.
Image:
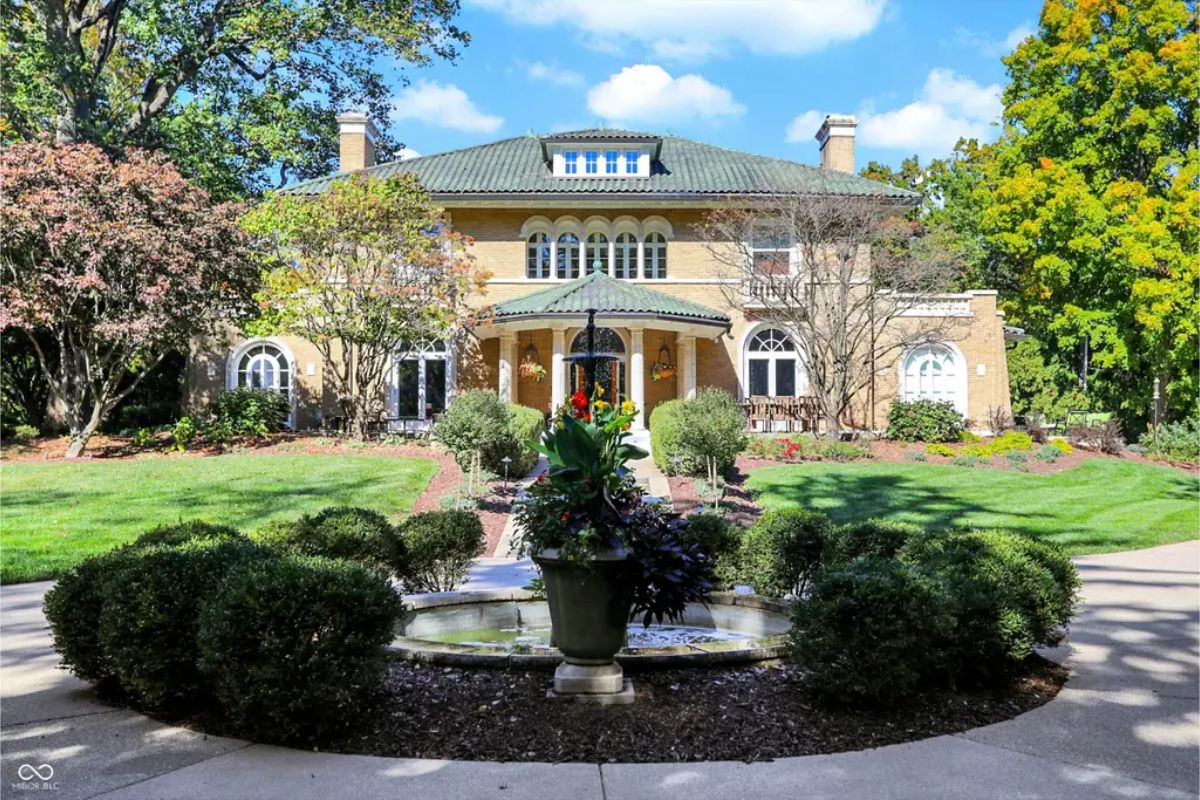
(609, 297)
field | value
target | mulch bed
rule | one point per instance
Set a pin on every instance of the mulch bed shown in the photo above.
(697, 714)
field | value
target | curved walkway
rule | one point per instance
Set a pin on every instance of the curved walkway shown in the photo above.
(1126, 726)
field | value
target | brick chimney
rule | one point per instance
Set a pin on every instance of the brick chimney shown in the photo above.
(837, 142)
(356, 142)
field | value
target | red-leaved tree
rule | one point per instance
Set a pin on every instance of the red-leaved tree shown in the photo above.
(114, 264)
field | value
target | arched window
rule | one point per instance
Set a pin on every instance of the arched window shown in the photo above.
(537, 256)
(610, 374)
(568, 256)
(597, 254)
(263, 365)
(626, 256)
(933, 372)
(772, 364)
(656, 256)
(421, 384)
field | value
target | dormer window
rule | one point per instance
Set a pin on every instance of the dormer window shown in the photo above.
(611, 162)
(631, 162)
(571, 162)
(601, 154)
(591, 162)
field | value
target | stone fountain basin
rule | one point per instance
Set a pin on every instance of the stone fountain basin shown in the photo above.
(442, 629)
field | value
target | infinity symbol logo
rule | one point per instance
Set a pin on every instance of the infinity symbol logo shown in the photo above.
(28, 772)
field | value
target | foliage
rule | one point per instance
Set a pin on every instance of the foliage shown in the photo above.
(1103, 436)
(999, 420)
(238, 94)
(142, 439)
(477, 421)
(357, 534)
(872, 538)
(184, 532)
(782, 551)
(368, 272)
(1175, 441)
(665, 430)
(968, 460)
(23, 433)
(941, 450)
(294, 646)
(969, 437)
(719, 539)
(761, 446)
(109, 266)
(1041, 382)
(666, 569)
(916, 455)
(710, 425)
(1017, 459)
(868, 631)
(24, 391)
(1011, 441)
(440, 546)
(183, 433)
(1048, 454)
(249, 412)
(526, 425)
(1062, 445)
(149, 614)
(924, 421)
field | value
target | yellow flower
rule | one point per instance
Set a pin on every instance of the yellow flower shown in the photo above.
(628, 407)
(599, 390)
(601, 405)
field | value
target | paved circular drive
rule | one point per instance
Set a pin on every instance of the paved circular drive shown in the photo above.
(1127, 725)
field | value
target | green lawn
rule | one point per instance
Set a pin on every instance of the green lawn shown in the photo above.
(1102, 505)
(54, 515)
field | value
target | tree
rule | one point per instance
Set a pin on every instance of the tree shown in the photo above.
(108, 266)
(368, 272)
(841, 274)
(1094, 196)
(236, 91)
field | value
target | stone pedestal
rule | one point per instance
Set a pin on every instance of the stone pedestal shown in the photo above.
(600, 684)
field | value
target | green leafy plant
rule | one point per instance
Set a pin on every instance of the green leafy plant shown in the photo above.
(709, 426)
(782, 551)
(142, 438)
(358, 534)
(718, 539)
(1048, 454)
(183, 434)
(764, 446)
(247, 412)
(1017, 459)
(1011, 441)
(439, 547)
(478, 422)
(968, 460)
(943, 450)
(924, 421)
(526, 425)
(842, 451)
(915, 455)
(1176, 441)
(969, 437)
(183, 532)
(875, 538)
(1062, 445)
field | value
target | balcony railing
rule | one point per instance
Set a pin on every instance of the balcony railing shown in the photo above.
(771, 290)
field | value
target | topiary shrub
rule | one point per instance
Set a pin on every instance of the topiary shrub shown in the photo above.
(719, 539)
(440, 546)
(924, 421)
(526, 425)
(479, 421)
(248, 412)
(782, 552)
(877, 538)
(666, 426)
(869, 630)
(358, 534)
(712, 426)
(181, 532)
(294, 646)
(149, 614)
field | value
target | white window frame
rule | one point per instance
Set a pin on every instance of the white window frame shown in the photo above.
(655, 257)
(233, 369)
(601, 249)
(625, 252)
(591, 162)
(957, 379)
(422, 357)
(536, 250)
(561, 249)
(800, 381)
(571, 162)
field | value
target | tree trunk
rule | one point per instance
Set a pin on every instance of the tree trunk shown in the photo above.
(833, 426)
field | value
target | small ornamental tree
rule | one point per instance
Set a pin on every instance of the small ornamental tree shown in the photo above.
(107, 266)
(366, 271)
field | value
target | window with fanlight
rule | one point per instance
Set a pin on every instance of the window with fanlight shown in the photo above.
(934, 372)
(537, 256)
(265, 366)
(567, 264)
(655, 256)
(625, 252)
(772, 364)
(597, 253)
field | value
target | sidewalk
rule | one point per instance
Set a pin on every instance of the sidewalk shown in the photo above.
(1126, 726)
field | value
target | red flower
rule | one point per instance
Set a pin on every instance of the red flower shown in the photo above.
(579, 400)
(586, 417)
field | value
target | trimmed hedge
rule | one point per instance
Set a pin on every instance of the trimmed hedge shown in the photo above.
(665, 427)
(182, 532)
(719, 539)
(72, 608)
(526, 425)
(294, 646)
(872, 537)
(924, 421)
(358, 534)
(440, 546)
(478, 420)
(711, 425)
(783, 551)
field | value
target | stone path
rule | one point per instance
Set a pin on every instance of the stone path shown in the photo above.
(1126, 726)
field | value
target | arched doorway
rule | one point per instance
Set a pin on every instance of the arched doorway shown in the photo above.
(612, 375)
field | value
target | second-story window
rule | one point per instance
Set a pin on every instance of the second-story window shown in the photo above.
(591, 162)
(597, 253)
(611, 162)
(537, 256)
(568, 257)
(631, 162)
(625, 263)
(571, 162)
(656, 256)
(771, 249)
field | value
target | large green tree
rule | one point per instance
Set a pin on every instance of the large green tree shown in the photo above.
(1093, 197)
(240, 93)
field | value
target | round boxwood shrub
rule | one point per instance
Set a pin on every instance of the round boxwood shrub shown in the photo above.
(872, 537)
(924, 421)
(665, 428)
(181, 532)
(440, 546)
(719, 539)
(526, 425)
(294, 646)
(781, 553)
(868, 631)
(479, 421)
(358, 534)
(148, 618)
(710, 425)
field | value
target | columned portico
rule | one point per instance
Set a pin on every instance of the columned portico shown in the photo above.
(558, 372)
(637, 375)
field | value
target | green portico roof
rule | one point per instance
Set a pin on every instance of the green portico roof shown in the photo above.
(609, 297)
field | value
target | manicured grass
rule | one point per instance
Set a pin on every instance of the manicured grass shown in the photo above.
(1102, 505)
(54, 515)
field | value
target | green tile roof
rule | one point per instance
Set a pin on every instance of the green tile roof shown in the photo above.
(683, 169)
(608, 296)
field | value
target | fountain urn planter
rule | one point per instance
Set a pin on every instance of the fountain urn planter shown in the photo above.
(589, 617)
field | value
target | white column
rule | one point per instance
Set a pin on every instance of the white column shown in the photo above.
(641, 260)
(558, 375)
(507, 366)
(637, 376)
(685, 382)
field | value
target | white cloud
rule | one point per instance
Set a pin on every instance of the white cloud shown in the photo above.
(803, 127)
(994, 48)
(949, 107)
(406, 153)
(648, 93)
(552, 73)
(443, 105)
(699, 28)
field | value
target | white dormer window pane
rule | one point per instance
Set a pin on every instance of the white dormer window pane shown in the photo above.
(537, 256)
(597, 253)
(656, 256)
(570, 162)
(625, 265)
(591, 162)
(610, 162)
(568, 256)
(631, 162)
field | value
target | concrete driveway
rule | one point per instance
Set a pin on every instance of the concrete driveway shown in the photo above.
(1126, 726)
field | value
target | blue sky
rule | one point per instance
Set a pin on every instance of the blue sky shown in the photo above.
(753, 75)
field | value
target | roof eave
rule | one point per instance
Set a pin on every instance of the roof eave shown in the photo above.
(560, 316)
